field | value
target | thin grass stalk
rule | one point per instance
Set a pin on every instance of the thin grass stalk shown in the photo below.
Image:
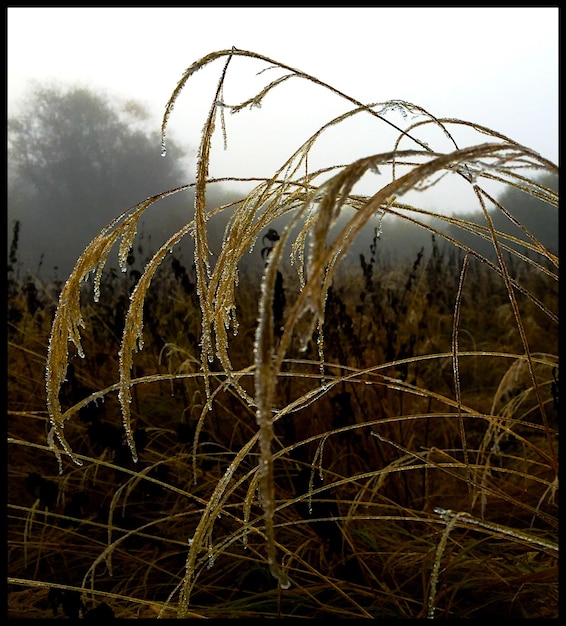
(202, 251)
(456, 367)
(265, 380)
(451, 522)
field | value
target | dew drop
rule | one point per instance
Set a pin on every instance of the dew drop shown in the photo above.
(379, 228)
(284, 582)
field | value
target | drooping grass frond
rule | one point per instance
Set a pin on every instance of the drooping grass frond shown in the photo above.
(68, 318)
(344, 420)
(132, 338)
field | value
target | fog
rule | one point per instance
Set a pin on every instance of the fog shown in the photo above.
(497, 67)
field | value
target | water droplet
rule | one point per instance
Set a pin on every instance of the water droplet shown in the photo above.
(284, 582)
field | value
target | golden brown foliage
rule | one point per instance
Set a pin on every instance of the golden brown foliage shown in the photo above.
(449, 430)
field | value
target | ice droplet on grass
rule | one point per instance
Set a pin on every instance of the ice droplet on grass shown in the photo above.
(284, 581)
(211, 558)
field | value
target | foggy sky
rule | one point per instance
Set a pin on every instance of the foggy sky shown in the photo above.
(494, 66)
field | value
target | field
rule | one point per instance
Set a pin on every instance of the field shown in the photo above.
(358, 437)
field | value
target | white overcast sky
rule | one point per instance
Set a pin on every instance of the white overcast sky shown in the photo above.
(494, 66)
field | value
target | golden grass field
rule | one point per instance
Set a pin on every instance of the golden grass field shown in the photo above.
(340, 436)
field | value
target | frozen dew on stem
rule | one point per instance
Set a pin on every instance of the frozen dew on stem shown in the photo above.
(379, 227)
(211, 558)
(283, 580)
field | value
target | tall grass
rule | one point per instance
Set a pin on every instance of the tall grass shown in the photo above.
(383, 441)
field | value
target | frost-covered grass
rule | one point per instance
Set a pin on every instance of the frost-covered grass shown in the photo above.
(345, 439)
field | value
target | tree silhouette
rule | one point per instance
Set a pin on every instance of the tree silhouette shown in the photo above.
(75, 161)
(538, 217)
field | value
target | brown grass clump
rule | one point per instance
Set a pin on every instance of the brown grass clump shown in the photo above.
(380, 439)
